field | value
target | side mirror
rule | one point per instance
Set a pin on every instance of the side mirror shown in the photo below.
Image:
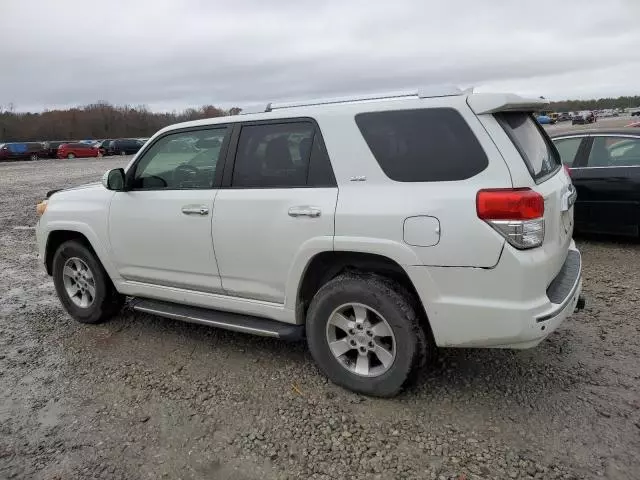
(114, 179)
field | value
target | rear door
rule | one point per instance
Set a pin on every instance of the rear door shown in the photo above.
(609, 185)
(278, 202)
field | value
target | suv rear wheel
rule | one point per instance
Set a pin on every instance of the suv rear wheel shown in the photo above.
(364, 333)
(83, 286)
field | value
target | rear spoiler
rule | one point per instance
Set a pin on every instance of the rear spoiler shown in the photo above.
(482, 103)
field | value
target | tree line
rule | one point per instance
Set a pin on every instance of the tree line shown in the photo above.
(96, 121)
(103, 120)
(595, 104)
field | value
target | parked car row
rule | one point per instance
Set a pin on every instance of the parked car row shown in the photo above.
(578, 118)
(69, 148)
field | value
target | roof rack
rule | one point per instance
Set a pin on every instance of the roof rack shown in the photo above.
(427, 92)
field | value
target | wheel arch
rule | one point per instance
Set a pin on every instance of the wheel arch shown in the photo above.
(325, 266)
(58, 236)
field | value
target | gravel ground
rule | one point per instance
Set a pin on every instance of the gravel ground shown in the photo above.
(143, 397)
(606, 122)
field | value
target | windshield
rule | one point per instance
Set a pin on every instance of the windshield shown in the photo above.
(537, 151)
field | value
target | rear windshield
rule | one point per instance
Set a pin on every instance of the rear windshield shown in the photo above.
(539, 154)
(426, 145)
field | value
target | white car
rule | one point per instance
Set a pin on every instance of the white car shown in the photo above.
(377, 226)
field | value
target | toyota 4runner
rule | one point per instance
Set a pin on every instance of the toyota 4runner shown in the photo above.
(378, 227)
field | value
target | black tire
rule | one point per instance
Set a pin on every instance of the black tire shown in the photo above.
(107, 301)
(34, 157)
(71, 156)
(399, 310)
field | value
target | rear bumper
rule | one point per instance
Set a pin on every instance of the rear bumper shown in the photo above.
(503, 307)
(565, 288)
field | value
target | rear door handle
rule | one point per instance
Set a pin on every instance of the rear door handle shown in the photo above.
(304, 212)
(195, 210)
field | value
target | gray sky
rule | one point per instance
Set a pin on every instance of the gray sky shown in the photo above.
(179, 53)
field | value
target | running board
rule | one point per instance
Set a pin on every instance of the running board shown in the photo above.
(216, 318)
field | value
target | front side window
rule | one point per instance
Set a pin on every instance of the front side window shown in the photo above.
(568, 148)
(274, 155)
(184, 160)
(614, 151)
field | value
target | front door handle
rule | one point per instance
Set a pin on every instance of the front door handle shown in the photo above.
(195, 210)
(312, 212)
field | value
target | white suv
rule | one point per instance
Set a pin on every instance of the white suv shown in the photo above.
(379, 227)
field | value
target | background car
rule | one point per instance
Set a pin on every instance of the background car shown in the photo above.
(544, 120)
(22, 151)
(583, 117)
(77, 150)
(124, 146)
(103, 146)
(51, 147)
(603, 165)
(564, 116)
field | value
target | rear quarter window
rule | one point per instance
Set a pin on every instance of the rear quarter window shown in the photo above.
(424, 145)
(535, 146)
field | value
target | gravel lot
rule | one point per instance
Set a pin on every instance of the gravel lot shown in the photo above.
(143, 397)
(608, 122)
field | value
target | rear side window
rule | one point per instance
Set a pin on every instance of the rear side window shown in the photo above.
(539, 154)
(613, 151)
(427, 145)
(281, 155)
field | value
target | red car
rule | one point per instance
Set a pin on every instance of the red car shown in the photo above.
(79, 150)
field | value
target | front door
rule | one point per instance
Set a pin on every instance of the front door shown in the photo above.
(160, 228)
(279, 204)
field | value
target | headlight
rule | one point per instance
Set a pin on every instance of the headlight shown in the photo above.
(41, 207)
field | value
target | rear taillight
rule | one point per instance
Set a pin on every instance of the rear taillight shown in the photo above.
(516, 213)
(568, 170)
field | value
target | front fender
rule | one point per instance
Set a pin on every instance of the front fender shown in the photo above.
(88, 232)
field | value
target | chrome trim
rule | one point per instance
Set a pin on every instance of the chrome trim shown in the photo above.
(623, 135)
(212, 323)
(211, 295)
(558, 307)
(304, 211)
(581, 135)
(195, 210)
(607, 166)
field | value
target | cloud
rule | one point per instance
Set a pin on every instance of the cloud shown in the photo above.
(168, 54)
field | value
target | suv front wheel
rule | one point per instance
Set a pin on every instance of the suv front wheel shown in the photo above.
(83, 286)
(364, 333)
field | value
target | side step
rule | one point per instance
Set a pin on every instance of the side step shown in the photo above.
(215, 318)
